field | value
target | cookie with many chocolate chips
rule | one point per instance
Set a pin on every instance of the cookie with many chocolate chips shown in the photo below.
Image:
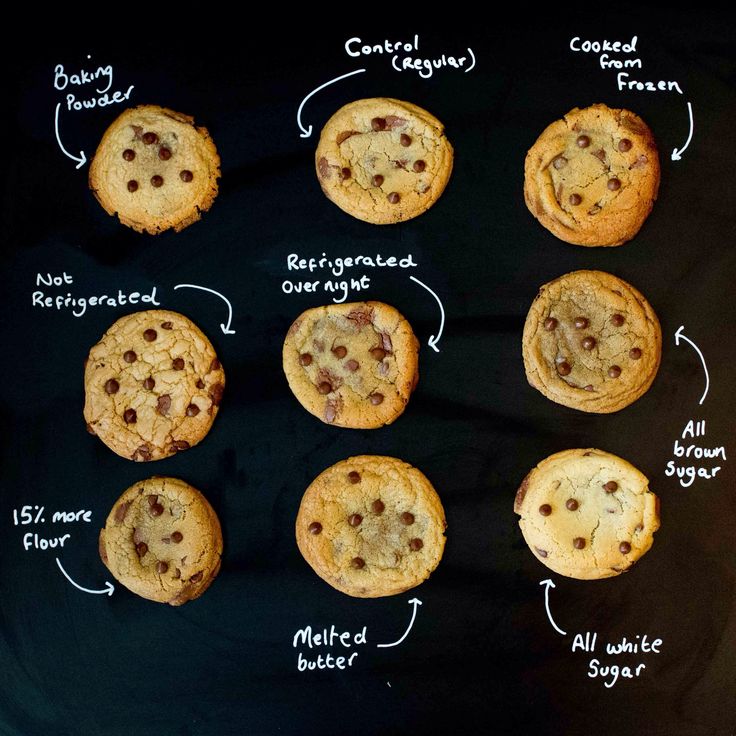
(592, 178)
(162, 541)
(155, 169)
(352, 365)
(592, 342)
(371, 526)
(587, 514)
(383, 160)
(153, 385)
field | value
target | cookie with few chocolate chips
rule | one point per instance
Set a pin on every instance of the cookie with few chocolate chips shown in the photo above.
(153, 385)
(383, 160)
(155, 169)
(352, 365)
(591, 178)
(371, 526)
(587, 514)
(592, 342)
(162, 541)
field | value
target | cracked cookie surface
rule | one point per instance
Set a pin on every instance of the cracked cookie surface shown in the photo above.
(371, 526)
(591, 178)
(352, 365)
(153, 385)
(162, 541)
(587, 514)
(591, 342)
(383, 160)
(155, 169)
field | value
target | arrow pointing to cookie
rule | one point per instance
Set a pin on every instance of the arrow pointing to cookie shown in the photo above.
(433, 339)
(224, 327)
(415, 602)
(680, 336)
(677, 153)
(108, 589)
(79, 159)
(549, 584)
(306, 132)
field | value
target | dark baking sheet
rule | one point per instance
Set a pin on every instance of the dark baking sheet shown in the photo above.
(482, 656)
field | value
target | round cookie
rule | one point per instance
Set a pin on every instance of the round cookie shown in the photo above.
(383, 160)
(591, 342)
(162, 541)
(371, 526)
(153, 385)
(587, 514)
(591, 178)
(155, 169)
(352, 365)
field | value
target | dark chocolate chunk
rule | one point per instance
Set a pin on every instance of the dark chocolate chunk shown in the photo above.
(550, 324)
(305, 359)
(163, 404)
(192, 410)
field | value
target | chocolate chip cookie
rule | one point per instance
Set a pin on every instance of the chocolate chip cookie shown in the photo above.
(592, 178)
(162, 541)
(352, 365)
(371, 526)
(587, 514)
(592, 342)
(153, 385)
(155, 169)
(383, 160)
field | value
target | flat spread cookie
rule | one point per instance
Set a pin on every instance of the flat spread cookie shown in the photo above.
(352, 365)
(162, 541)
(592, 177)
(592, 342)
(155, 169)
(371, 526)
(587, 514)
(153, 385)
(383, 160)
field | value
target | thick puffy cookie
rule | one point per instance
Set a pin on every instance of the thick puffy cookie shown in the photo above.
(153, 385)
(592, 177)
(162, 541)
(155, 169)
(352, 365)
(371, 526)
(592, 342)
(587, 514)
(383, 160)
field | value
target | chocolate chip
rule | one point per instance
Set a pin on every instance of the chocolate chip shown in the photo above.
(624, 548)
(214, 365)
(161, 567)
(581, 323)
(305, 359)
(405, 140)
(589, 387)
(352, 365)
(378, 123)
(150, 335)
(177, 537)
(166, 325)
(575, 199)
(571, 504)
(419, 166)
(564, 368)
(614, 184)
(156, 509)
(345, 173)
(545, 509)
(149, 138)
(376, 399)
(355, 520)
(550, 324)
(152, 500)
(192, 410)
(614, 371)
(315, 528)
(157, 181)
(407, 518)
(559, 162)
(635, 353)
(540, 552)
(186, 175)
(216, 393)
(617, 320)
(394, 197)
(164, 153)
(377, 506)
(129, 356)
(357, 563)
(416, 544)
(141, 548)
(132, 185)
(611, 486)
(164, 404)
(130, 417)
(128, 154)
(179, 445)
(354, 477)
(624, 145)
(143, 452)
(149, 383)
(377, 353)
(111, 386)
(578, 543)
(324, 388)
(199, 384)
(377, 180)
(588, 343)
(178, 364)
(583, 141)
(340, 351)
(121, 511)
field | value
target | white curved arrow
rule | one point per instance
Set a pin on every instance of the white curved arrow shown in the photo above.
(679, 336)
(677, 153)
(306, 132)
(108, 589)
(433, 340)
(79, 159)
(549, 584)
(416, 603)
(224, 327)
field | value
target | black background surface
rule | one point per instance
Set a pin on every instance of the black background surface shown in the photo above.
(482, 656)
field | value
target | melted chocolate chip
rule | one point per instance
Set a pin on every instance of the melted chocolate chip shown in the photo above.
(141, 548)
(345, 173)
(330, 413)
(149, 383)
(354, 477)
(581, 323)
(357, 563)
(355, 520)
(130, 416)
(324, 388)
(161, 567)
(545, 509)
(156, 509)
(128, 154)
(132, 186)
(405, 140)
(614, 184)
(624, 548)
(407, 518)
(378, 124)
(588, 343)
(179, 445)
(377, 180)
(589, 387)
(186, 175)
(614, 371)
(550, 324)
(157, 181)
(150, 335)
(376, 399)
(305, 359)
(352, 365)
(416, 544)
(394, 197)
(611, 486)
(121, 511)
(164, 153)
(340, 352)
(377, 507)
(377, 353)
(564, 368)
(571, 504)
(559, 162)
(624, 145)
(419, 166)
(635, 353)
(178, 364)
(575, 200)
(177, 537)
(540, 552)
(166, 325)
(617, 320)
(192, 410)
(129, 356)
(163, 404)
(583, 141)
(111, 386)
(578, 543)
(315, 528)
(216, 394)
(199, 384)
(149, 138)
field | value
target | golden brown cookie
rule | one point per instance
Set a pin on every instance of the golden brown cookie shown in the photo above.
(592, 342)
(383, 160)
(162, 541)
(592, 177)
(352, 365)
(371, 526)
(155, 169)
(587, 514)
(153, 385)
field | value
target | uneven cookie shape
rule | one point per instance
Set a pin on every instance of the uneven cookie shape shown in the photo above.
(592, 178)
(383, 160)
(371, 526)
(587, 514)
(153, 385)
(155, 169)
(592, 342)
(352, 365)
(162, 541)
